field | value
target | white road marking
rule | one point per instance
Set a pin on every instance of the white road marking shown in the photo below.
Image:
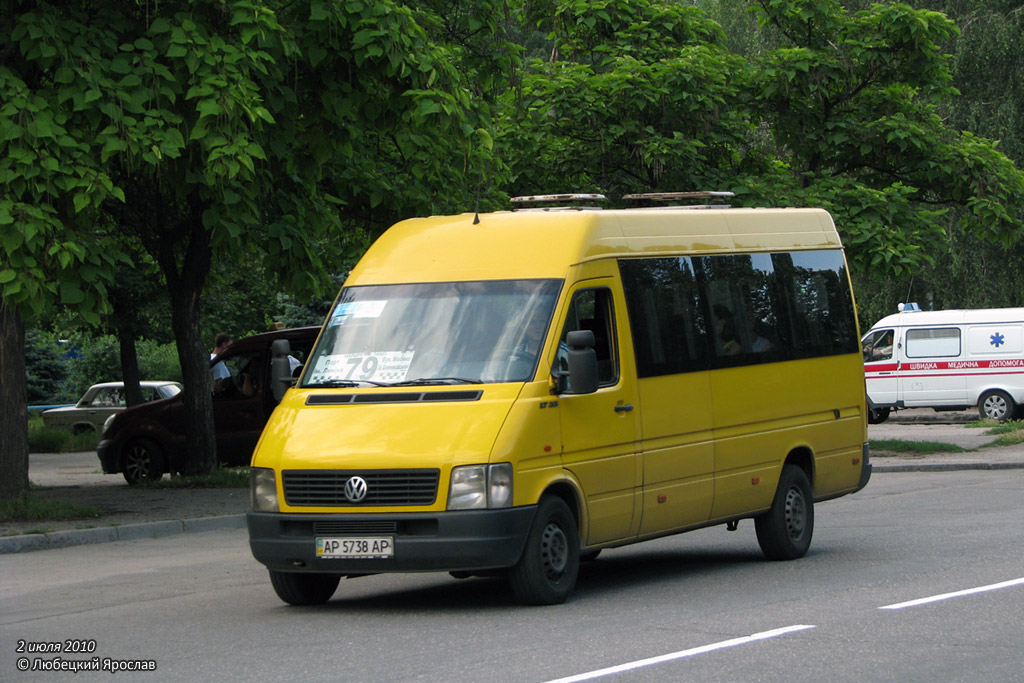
(764, 635)
(956, 594)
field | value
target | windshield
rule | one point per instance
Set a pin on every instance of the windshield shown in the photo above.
(434, 333)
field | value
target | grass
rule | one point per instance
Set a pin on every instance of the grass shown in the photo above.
(39, 509)
(1009, 433)
(42, 439)
(224, 478)
(916, 447)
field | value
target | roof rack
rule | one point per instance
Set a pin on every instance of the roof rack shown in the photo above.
(675, 196)
(549, 202)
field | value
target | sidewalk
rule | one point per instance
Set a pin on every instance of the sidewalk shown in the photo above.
(131, 512)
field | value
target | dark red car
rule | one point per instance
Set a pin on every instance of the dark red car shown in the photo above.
(145, 441)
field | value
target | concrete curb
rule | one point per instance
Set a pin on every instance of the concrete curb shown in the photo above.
(944, 466)
(126, 532)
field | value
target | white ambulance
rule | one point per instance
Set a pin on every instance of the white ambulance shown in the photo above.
(946, 360)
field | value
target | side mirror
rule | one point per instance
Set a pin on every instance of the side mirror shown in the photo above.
(280, 370)
(582, 361)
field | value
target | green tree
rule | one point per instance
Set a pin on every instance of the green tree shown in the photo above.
(852, 101)
(635, 96)
(255, 130)
(54, 248)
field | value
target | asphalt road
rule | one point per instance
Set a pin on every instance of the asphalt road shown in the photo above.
(698, 607)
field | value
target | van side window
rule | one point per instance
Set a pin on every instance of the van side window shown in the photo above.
(698, 313)
(591, 309)
(666, 316)
(933, 342)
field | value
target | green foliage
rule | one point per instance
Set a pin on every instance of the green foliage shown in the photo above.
(99, 361)
(645, 99)
(43, 439)
(45, 369)
(853, 100)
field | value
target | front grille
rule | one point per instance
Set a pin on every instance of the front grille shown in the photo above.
(326, 488)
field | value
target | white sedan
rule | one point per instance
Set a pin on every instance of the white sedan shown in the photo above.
(100, 402)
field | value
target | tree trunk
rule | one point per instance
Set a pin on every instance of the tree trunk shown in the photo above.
(198, 394)
(183, 253)
(129, 365)
(13, 407)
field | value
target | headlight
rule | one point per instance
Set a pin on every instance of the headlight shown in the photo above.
(478, 487)
(263, 489)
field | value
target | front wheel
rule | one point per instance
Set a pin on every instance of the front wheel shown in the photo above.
(996, 405)
(546, 572)
(784, 532)
(143, 460)
(304, 589)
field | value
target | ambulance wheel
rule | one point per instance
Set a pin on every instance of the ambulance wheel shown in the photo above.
(297, 588)
(996, 405)
(878, 415)
(546, 572)
(784, 532)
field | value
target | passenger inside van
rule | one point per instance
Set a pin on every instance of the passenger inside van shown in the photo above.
(725, 330)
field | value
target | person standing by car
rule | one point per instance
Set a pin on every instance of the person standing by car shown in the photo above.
(221, 374)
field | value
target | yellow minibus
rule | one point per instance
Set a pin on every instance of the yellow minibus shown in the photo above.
(515, 391)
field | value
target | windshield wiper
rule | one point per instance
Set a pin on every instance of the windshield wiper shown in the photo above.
(424, 381)
(342, 384)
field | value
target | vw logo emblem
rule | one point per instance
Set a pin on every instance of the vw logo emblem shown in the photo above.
(355, 489)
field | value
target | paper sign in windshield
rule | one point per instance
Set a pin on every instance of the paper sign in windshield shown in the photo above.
(357, 309)
(387, 366)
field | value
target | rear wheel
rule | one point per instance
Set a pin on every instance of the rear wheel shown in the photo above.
(302, 588)
(878, 415)
(996, 405)
(784, 532)
(546, 572)
(143, 460)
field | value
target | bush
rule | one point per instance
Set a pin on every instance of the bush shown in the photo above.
(100, 361)
(42, 439)
(46, 439)
(46, 368)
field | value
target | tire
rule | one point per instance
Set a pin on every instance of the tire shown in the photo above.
(784, 532)
(142, 460)
(546, 572)
(304, 589)
(996, 405)
(878, 415)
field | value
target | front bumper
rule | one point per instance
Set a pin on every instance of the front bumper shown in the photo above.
(465, 540)
(109, 455)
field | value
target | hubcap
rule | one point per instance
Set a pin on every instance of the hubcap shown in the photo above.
(554, 551)
(995, 407)
(796, 513)
(137, 463)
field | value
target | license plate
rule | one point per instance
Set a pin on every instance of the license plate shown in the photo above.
(356, 547)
